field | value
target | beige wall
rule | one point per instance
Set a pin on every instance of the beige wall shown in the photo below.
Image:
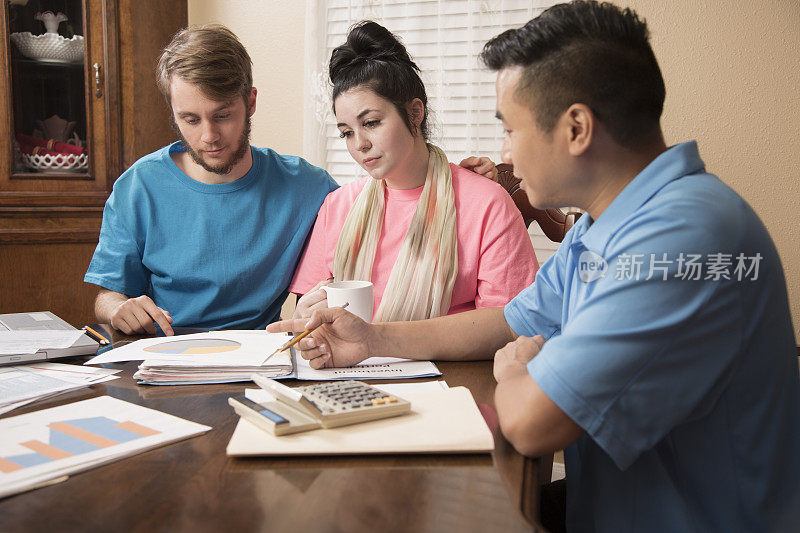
(273, 32)
(732, 75)
(732, 72)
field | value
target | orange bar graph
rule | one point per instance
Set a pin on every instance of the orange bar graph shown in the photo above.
(139, 429)
(7, 467)
(45, 449)
(82, 434)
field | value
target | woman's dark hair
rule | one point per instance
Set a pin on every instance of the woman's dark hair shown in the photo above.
(591, 53)
(372, 56)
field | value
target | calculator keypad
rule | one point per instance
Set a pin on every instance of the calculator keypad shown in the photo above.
(348, 398)
(345, 395)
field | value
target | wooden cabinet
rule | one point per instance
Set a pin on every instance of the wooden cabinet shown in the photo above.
(103, 102)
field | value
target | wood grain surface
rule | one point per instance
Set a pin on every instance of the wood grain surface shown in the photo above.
(193, 486)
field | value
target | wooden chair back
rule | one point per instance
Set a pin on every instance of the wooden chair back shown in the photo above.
(554, 222)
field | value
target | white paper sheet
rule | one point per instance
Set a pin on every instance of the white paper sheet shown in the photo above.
(25, 383)
(31, 341)
(72, 373)
(370, 368)
(12, 406)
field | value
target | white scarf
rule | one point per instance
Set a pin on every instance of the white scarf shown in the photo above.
(421, 282)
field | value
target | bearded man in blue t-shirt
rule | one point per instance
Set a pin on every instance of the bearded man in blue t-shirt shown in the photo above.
(656, 346)
(205, 232)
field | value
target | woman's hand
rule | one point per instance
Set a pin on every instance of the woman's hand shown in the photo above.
(314, 299)
(480, 165)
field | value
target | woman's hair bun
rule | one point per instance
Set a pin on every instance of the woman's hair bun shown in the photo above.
(367, 41)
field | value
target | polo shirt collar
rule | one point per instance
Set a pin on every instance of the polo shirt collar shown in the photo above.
(677, 161)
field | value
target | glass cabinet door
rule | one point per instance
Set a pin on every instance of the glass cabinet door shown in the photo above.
(56, 103)
(48, 88)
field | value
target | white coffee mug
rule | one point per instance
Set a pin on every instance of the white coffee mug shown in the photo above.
(357, 295)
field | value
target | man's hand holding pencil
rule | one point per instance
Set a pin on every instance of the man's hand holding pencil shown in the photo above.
(337, 338)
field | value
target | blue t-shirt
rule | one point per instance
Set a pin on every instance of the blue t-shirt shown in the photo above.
(678, 359)
(214, 256)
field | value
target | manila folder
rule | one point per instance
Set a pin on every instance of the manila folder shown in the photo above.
(446, 421)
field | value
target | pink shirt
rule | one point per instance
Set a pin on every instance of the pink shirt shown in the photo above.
(495, 255)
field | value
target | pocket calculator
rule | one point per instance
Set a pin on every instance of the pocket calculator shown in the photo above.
(323, 405)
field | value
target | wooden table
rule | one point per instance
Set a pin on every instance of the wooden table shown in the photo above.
(193, 486)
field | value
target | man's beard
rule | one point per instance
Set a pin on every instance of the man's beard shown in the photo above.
(224, 168)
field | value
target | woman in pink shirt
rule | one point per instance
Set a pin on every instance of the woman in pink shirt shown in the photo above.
(434, 238)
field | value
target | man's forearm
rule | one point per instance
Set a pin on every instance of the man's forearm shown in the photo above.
(472, 335)
(106, 303)
(530, 420)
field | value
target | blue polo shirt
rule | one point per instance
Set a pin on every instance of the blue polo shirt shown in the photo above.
(670, 343)
(217, 256)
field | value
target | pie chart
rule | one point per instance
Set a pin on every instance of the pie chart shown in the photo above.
(194, 346)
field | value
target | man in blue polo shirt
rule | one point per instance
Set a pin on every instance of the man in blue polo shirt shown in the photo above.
(656, 345)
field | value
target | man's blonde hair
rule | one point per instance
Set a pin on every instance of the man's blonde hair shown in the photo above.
(210, 57)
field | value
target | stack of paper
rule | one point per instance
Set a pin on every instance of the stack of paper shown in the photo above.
(234, 355)
(212, 357)
(23, 384)
(42, 447)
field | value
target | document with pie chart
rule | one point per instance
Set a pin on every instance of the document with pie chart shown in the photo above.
(235, 355)
(227, 348)
(212, 357)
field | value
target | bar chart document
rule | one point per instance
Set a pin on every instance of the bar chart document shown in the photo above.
(38, 447)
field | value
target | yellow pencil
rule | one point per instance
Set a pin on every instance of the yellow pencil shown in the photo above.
(96, 336)
(297, 338)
